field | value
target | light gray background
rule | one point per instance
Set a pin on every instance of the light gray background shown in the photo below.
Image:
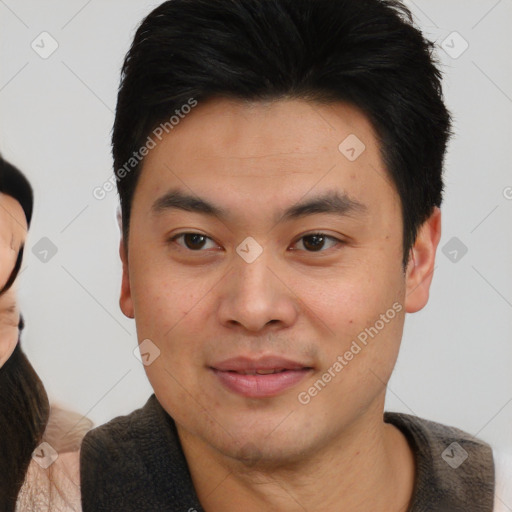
(56, 118)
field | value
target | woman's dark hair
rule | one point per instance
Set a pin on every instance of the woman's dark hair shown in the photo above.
(24, 406)
(24, 412)
(363, 52)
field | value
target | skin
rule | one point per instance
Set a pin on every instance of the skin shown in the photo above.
(206, 304)
(13, 232)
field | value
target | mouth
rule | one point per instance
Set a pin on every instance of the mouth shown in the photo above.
(263, 371)
(259, 378)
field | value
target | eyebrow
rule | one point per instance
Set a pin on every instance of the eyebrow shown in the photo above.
(329, 202)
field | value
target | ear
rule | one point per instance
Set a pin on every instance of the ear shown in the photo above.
(119, 219)
(420, 268)
(125, 301)
(9, 321)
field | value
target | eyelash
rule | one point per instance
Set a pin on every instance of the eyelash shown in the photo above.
(323, 235)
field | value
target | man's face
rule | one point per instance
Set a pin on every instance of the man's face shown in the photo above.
(218, 309)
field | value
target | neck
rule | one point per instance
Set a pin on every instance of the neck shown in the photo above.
(370, 466)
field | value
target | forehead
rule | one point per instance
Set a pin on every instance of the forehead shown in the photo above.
(267, 151)
(220, 127)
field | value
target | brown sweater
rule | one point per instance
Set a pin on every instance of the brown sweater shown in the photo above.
(135, 463)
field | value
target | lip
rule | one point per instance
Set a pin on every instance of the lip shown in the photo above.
(239, 375)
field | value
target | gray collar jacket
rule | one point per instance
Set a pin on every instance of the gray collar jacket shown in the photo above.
(135, 463)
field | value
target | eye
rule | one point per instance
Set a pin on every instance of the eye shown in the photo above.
(315, 242)
(193, 241)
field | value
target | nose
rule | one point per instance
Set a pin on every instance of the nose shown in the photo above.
(255, 296)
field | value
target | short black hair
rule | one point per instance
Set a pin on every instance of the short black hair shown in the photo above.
(367, 53)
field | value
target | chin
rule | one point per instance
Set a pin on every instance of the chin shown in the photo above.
(265, 448)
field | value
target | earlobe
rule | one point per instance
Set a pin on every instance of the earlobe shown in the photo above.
(421, 263)
(125, 300)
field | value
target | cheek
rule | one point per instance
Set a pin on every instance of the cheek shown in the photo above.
(170, 311)
(361, 313)
(160, 294)
(351, 300)
(167, 315)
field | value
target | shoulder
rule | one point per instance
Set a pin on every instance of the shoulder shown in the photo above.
(52, 482)
(503, 473)
(451, 464)
(123, 429)
(476, 460)
(106, 446)
(433, 437)
(55, 488)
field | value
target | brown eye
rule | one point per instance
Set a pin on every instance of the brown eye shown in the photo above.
(315, 242)
(192, 241)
